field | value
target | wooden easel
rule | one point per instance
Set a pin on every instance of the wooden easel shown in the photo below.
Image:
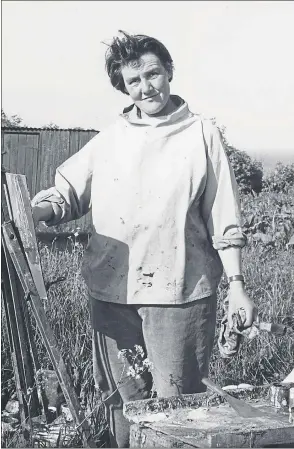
(23, 284)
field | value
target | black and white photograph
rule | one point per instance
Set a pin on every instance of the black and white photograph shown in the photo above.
(147, 224)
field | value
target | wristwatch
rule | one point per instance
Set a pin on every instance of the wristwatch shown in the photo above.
(237, 277)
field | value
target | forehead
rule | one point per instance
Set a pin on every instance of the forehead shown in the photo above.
(146, 62)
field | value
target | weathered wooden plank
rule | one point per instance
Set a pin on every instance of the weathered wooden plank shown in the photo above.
(13, 340)
(22, 216)
(21, 154)
(34, 159)
(5, 155)
(46, 166)
(20, 150)
(74, 145)
(39, 165)
(62, 147)
(26, 154)
(31, 144)
(21, 211)
(21, 347)
(11, 144)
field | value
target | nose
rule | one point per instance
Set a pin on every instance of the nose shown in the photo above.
(146, 87)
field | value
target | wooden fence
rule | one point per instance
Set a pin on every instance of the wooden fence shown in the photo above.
(36, 153)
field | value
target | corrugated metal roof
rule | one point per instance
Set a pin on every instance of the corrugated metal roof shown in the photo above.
(24, 128)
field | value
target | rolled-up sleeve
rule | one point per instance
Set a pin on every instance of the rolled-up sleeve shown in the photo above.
(221, 203)
(70, 197)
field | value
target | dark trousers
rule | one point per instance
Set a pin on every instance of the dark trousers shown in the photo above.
(177, 339)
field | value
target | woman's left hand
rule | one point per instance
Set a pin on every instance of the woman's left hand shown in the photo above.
(238, 299)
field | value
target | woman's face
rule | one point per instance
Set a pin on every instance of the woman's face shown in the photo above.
(146, 81)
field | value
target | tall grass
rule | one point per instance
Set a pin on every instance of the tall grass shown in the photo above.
(67, 311)
(267, 358)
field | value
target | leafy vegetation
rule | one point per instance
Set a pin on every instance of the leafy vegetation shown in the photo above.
(13, 121)
(281, 179)
(248, 171)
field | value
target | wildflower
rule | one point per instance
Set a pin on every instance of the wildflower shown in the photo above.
(131, 372)
(29, 391)
(139, 350)
(122, 354)
(148, 364)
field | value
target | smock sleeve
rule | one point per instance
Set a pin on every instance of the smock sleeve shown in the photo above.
(221, 209)
(70, 197)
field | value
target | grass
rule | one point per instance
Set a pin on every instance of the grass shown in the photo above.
(270, 283)
(269, 272)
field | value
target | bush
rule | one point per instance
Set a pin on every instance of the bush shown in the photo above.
(248, 172)
(281, 179)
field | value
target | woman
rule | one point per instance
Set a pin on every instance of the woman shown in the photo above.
(166, 221)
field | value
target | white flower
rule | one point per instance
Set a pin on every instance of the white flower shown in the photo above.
(139, 350)
(148, 364)
(122, 354)
(131, 372)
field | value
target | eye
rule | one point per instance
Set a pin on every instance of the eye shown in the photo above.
(153, 74)
(133, 81)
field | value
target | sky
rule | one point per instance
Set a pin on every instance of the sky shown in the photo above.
(233, 61)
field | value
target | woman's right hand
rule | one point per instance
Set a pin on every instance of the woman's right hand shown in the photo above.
(42, 212)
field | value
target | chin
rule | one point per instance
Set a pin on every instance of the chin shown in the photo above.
(153, 110)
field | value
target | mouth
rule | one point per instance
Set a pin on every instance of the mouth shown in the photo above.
(149, 98)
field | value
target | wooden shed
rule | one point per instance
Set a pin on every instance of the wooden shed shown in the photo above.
(37, 152)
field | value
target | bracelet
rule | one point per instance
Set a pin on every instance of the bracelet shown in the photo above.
(237, 277)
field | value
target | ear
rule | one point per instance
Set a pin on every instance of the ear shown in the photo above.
(169, 72)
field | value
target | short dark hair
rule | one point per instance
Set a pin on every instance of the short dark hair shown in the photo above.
(130, 48)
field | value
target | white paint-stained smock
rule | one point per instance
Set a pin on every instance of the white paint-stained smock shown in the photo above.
(164, 200)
